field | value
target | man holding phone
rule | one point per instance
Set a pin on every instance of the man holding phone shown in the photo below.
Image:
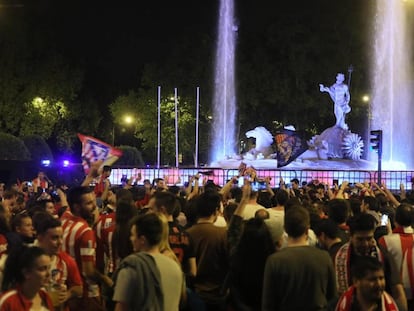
(252, 206)
(40, 182)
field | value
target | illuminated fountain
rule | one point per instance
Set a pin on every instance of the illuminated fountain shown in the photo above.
(392, 109)
(224, 101)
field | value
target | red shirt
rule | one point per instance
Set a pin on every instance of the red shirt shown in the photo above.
(14, 300)
(79, 242)
(40, 183)
(141, 203)
(104, 230)
(3, 245)
(99, 187)
(63, 270)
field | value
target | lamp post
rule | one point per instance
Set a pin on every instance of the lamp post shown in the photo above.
(127, 119)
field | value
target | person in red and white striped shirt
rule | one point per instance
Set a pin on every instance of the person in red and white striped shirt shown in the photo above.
(105, 260)
(80, 242)
(400, 245)
(65, 282)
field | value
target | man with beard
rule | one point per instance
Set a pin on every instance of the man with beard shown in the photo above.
(362, 244)
(80, 242)
(368, 289)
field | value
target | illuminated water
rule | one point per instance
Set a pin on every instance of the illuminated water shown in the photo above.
(392, 107)
(224, 101)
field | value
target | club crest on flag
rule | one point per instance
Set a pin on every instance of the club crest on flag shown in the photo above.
(289, 146)
(95, 150)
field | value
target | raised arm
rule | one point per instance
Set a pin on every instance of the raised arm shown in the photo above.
(93, 173)
(195, 190)
(340, 194)
(227, 187)
(403, 194)
(390, 196)
(323, 88)
(245, 199)
(268, 188)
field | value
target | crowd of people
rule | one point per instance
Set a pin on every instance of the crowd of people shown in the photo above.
(147, 245)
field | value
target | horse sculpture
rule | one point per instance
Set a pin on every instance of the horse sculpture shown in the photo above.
(264, 140)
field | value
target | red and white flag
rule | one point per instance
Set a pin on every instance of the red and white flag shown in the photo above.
(94, 150)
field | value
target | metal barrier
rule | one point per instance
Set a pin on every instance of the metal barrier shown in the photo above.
(179, 176)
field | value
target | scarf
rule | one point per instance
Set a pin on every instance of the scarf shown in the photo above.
(343, 267)
(348, 298)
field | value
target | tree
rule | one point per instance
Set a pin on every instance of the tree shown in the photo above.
(143, 109)
(13, 148)
(38, 148)
(40, 86)
(130, 157)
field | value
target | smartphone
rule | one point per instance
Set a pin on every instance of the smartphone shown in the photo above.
(384, 220)
(261, 185)
(255, 186)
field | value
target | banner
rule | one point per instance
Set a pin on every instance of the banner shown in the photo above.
(289, 146)
(94, 150)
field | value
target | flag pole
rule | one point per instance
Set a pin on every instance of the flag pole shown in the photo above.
(159, 128)
(176, 127)
(197, 124)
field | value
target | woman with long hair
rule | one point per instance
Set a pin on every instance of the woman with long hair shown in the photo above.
(251, 242)
(165, 247)
(25, 276)
(247, 265)
(121, 245)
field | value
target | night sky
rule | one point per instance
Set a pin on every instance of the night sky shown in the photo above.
(115, 39)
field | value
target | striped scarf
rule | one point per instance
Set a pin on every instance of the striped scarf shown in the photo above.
(348, 298)
(343, 268)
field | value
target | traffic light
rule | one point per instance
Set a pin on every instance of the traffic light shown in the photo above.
(376, 141)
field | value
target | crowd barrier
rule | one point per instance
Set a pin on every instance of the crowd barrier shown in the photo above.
(392, 179)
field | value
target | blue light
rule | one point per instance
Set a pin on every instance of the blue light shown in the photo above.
(45, 163)
(66, 163)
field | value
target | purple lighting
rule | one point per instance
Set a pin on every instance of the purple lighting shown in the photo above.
(66, 163)
(45, 163)
(392, 98)
(224, 118)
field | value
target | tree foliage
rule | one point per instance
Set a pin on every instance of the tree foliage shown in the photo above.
(38, 148)
(130, 157)
(144, 109)
(13, 148)
(40, 88)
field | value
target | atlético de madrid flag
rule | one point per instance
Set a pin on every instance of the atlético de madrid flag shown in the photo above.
(94, 150)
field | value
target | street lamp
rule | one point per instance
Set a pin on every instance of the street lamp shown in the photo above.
(127, 119)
